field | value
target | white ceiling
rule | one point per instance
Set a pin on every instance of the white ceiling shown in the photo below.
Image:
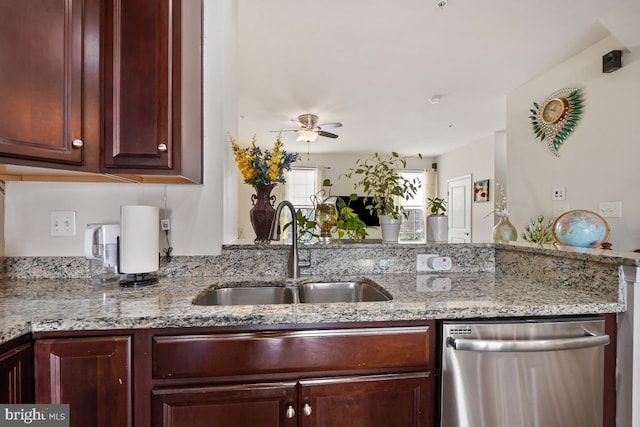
(375, 65)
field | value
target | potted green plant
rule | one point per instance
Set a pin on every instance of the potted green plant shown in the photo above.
(349, 223)
(437, 221)
(346, 221)
(379, 180)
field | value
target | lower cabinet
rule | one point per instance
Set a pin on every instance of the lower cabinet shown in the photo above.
(91, 374)
(234, 405)
(376, 401)
(16, 372)
(370, 401)
(360, 377)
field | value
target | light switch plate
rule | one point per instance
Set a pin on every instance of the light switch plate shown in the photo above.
(62, 223)
(610, 209)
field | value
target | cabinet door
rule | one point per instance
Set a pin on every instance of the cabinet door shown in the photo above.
(142, 86)
(49, 81)
(264, 405)
(92, 375)
(16, 375)
(377, 401)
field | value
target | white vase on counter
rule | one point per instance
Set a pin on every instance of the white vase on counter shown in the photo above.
(437, 229)
(390, 228)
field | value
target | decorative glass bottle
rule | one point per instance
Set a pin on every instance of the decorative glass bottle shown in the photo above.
(504, 231)
(326, 217)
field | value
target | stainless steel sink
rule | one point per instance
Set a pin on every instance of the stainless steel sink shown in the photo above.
(246, 296)
(253, 293)
(327, 292)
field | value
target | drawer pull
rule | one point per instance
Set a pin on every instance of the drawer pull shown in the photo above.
(291, 412)
(77, 143)
(306, 410)
(162, 147)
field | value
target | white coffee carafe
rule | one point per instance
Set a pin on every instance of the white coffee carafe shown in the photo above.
(101, 248)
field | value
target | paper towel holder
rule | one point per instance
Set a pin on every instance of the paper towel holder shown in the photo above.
(138, 244)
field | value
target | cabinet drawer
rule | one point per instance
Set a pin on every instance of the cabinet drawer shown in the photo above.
(255, 353)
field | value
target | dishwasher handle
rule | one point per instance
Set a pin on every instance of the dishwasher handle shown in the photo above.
(465, 344)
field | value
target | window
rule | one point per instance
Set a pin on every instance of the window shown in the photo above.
(413, 229)
(302, 185)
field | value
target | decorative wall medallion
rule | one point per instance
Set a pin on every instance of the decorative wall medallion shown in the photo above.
(557, 117)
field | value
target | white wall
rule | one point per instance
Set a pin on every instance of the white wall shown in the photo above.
(599, 162)
(475, 159)
(197, 211)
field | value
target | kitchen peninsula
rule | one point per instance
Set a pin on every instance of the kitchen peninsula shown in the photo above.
(152, 337)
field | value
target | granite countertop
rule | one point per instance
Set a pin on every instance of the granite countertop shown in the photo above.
(75, 304)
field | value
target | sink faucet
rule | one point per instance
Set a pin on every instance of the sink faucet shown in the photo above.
(293, 267)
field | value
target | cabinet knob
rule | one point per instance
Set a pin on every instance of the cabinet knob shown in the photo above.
(291, 412)
(77, 143)
(162, 147)
(306, 410)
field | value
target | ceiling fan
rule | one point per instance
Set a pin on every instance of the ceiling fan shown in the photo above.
(310, 129)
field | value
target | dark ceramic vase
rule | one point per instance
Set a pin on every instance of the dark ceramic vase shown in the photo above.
(262, 212)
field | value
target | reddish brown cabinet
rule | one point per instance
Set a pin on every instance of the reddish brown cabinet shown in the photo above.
(367, 401)
(229, 405)
(91, 374)
(49, 80)
(110, 87)
(375, 401)
(16, 371)
(357, 377)
(142, 91)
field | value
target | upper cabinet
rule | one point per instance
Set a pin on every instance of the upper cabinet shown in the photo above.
(49, 80)
(111, 87)
(143, 88)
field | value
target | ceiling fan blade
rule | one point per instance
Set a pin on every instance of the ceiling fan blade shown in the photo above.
(327, 134)
(285, 130)
(329, 126)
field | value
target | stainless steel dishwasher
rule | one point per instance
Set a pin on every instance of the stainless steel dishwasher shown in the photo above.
(523, 373)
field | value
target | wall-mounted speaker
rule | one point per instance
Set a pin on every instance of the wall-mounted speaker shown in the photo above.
(612, 61)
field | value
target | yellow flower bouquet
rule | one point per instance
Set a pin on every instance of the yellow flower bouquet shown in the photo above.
(258, 167)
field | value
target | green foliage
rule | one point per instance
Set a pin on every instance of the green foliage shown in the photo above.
(539, 232)
(437, 206)
(306, 227)
(382, 184)
(349, 223)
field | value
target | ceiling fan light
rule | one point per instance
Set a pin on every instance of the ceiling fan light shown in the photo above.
(308, 135)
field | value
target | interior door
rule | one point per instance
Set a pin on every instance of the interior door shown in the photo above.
(459, 208)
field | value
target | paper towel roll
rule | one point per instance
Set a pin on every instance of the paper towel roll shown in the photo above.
(139, 239)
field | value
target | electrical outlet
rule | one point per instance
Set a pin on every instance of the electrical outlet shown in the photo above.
(62, 223)
(422, 263)
(558, 193)
(165, 225)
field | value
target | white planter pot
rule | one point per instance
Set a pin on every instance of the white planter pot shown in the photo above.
(390, 228)
(437, 228)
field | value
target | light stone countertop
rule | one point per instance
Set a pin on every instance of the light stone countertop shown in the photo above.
(75, 304)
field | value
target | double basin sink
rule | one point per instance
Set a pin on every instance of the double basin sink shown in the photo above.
(255, 293)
